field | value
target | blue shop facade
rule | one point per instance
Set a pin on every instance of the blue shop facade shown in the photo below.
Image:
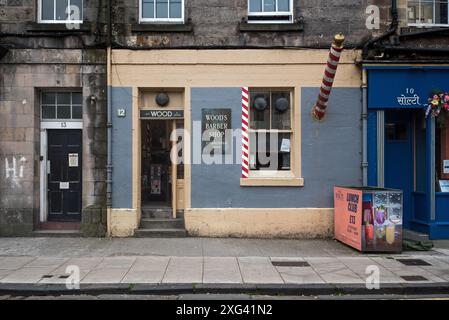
(408, 149)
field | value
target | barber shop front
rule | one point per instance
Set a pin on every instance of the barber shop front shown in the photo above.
(408, 141)
(177, 158)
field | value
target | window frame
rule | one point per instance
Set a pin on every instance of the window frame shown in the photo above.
(419, 16)
(56, 119)
(271, 14)
(54, 21)
(291, 177)
(162, 20)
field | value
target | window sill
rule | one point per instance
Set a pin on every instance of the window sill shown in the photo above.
(57, 27)
(161, 27)
(272, 182)
(271, 27)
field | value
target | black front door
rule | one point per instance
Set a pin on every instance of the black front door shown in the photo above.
(64, 175)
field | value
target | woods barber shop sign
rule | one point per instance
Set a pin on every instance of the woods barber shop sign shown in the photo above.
(214, 123)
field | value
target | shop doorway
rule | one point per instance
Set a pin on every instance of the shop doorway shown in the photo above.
(405, 159)
(156, 170)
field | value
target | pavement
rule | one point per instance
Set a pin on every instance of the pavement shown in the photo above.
(43, 266)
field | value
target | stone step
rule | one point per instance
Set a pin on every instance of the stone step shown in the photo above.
(57, 233)
(160, 233)
(162, 223)
(160, 213)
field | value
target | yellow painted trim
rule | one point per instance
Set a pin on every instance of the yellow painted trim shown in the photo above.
(187, 149)
(123, 222)
(301, 223)
(230, 56)
(261, 182)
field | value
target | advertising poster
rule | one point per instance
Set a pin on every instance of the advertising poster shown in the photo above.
(382, 222)
(348, 213)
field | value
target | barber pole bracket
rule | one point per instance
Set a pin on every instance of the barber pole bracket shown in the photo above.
(319, 109)
(245, 133)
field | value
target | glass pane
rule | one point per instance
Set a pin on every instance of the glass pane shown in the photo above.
(442, 152)
(413, 12)
(148, 9)
(441, 11)
(260, 110)
(427, 11)
(63, 112)
(269, 6)
(281, 110)
(63, 98)
(161, 8)
(77, 112)
(175, 9)
(61, 9)
(77, 98)
(48, 98)
(48, 112)
(270, 151)
(255, 5)
(284, 5)
(48, 10)
(76, 9)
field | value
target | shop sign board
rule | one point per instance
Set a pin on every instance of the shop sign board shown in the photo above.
(161, 114)
(369, 219)
(348, 215)
(214, 125)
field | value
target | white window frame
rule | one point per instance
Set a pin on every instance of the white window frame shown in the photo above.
(271, 14)
(40, 20)
(159, 20)
(419, 17)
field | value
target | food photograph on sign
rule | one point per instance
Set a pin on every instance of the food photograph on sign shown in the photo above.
(382, 221)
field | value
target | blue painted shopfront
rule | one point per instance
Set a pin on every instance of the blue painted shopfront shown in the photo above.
(402, 142)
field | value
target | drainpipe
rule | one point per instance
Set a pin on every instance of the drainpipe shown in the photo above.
(109, 121)
(365, 127)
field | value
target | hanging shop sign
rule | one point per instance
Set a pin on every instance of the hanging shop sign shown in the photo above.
(214, 123)
(161, 114)
(403, 88)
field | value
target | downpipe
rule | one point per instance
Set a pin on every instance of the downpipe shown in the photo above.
(364, 127)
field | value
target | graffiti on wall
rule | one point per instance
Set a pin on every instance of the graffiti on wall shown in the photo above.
(14, 168)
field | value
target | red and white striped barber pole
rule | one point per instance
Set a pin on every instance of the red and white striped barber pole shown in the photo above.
(245, 132)
(319, 109)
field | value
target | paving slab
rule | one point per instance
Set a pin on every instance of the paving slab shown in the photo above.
(299, 275)
(13, 263)
(85, 265)
(331, 270)
(27, 275)
(116, 262)
(46, 262)
(360, 264)
(221, 270)
(147, 270)
(105, 275)
(258, 270)
(184, 270)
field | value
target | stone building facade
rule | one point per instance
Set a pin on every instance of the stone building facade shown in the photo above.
(199, 53)
(42, 56)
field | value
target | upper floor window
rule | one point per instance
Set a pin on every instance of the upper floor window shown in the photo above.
(427, 13)
(263, 11)
(162, 10)
(60, 11)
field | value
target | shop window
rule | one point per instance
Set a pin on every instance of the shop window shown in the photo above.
(270, 130)
(161, 10)
(61, 105)
(427, 13)
(442, 154)
(270, 11)
(60, 11)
